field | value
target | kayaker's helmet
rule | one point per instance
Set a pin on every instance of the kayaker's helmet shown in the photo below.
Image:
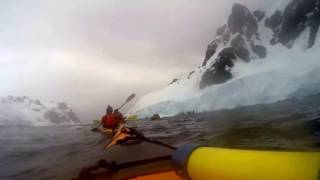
(109, 109)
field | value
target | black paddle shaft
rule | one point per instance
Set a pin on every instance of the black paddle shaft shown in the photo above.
(128, 100)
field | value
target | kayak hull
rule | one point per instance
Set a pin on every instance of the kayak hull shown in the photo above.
(138, 160)
(170, 175)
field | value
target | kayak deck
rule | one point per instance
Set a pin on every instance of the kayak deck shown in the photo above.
(104, 130)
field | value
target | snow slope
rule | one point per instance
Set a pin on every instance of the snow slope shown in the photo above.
(290, 67)
(26, 111)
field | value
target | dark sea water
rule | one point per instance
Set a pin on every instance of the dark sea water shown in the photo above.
(60, 152)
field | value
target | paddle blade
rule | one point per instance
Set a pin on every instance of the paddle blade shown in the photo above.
(130, 97)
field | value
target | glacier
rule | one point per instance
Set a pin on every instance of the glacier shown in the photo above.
(286, 72)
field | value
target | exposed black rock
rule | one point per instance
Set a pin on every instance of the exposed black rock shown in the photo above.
(297, 16)
(54, 117)
(63, 106)
(259, 15)
(221, 30)
(274, 21)
(226, 37)
(224, 60)
(57, 118)
(242, 21)
(240, 48)
(219, 73)
(212, 47)
(174, 81)
(214, 77)
(226, 56)
(259, 50)
(295, 19)
(37, 102)
(73, 117)
(224, 34)
(190, 74)
(236, 20)
(315, 23)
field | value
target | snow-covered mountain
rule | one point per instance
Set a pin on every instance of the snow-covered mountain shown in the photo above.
(23, 110)
(257, 56)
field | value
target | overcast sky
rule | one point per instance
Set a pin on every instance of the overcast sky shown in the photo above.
(97, 52)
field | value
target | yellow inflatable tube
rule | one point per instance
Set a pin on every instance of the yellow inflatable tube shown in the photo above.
(206, 163)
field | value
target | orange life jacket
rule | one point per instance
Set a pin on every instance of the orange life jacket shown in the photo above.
(112, 120)
(109, 121)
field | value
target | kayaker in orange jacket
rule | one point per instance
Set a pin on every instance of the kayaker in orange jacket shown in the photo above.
(112, 119)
